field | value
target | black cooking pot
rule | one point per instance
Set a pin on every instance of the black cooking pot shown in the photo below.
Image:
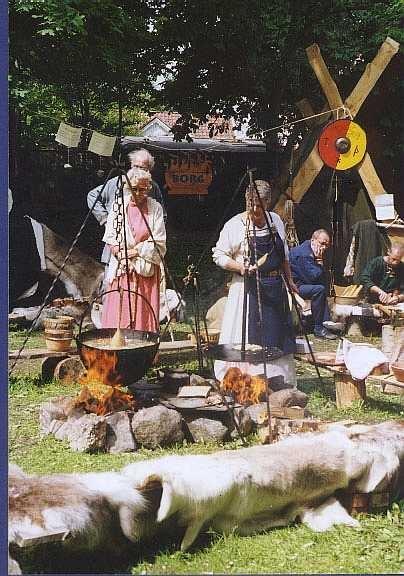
(130, 363)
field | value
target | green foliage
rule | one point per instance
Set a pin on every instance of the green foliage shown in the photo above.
(77, 60)
(250, 59)
(238, 59)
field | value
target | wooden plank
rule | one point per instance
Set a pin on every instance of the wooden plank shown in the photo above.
(370, 178)
(41, 353)
(288, 412)
(339, 368)
(372, 73)
(324, 77)
(194, 391)
(177, 345)
(304, 178)
(57, 536)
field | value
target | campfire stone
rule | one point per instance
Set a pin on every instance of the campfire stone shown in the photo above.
(278, 383)
(255, 411)
(196, 380)
(243, 420)
(288, 397)
(175, 378)
(88, 434)
(207, 430)
(55, 409)
(157, 426)
(119, 433)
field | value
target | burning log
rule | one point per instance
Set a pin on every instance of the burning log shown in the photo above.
(245, 389)
(101, 402)
(102, 392)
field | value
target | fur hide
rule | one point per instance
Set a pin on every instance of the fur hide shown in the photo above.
(246, 490)
(96, 509)
(253, 489)
(82, 275)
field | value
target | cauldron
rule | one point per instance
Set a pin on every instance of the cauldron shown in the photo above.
(131, 363)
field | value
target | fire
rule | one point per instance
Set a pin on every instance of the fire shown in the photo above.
(246, 389)
(102, 392)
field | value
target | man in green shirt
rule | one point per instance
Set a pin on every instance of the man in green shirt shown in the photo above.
(383, 277)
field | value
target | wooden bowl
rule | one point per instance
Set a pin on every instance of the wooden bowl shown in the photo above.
(58, 345)
(213, 336)
(61, 322)
(57, 334)
(398, 371)
(347, 300)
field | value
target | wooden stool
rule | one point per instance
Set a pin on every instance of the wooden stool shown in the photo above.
(348, 390)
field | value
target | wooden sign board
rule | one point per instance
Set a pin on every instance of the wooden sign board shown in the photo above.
(194, 391)
(190, 177)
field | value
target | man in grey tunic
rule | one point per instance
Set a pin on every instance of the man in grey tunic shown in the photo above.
(138, 159)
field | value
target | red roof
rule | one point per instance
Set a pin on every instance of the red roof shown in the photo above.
(170, 118)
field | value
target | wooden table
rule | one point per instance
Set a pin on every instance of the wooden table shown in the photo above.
(347, 389)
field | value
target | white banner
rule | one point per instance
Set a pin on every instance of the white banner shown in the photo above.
(68, 135)
(102, 145)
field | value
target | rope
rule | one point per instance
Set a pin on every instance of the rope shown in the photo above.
(344, 109)
(68, 254)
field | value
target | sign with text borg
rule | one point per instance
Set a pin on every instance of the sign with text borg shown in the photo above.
(190, 177)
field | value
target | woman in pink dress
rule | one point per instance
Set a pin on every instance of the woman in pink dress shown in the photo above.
(145, 252)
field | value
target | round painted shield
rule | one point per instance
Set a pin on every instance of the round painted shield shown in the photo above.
(342, 144)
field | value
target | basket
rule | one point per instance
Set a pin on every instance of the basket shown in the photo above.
(347, 295)
(213, 336)
(368, 503)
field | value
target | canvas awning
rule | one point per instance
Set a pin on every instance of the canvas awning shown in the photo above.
(129, 143)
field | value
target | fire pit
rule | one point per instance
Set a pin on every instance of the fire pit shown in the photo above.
(122, 366)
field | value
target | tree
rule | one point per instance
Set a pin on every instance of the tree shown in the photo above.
(247, 59)
(88, 53)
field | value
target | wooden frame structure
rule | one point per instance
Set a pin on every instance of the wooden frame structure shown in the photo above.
(311, 167)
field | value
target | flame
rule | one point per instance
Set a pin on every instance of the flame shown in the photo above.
(246, 389)
(102, 392)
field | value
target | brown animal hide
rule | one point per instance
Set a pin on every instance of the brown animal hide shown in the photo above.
(82, 275)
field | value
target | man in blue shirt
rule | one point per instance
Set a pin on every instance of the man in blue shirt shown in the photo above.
(138, 159)
(307, 264)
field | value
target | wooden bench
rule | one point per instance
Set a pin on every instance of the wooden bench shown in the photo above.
(348, 389)
(389, 383)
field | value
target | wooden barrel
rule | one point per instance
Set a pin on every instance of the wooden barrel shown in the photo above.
(58, 345)
(58, 333)
(60, 322)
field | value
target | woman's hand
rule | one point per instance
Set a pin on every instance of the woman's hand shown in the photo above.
(132, 253)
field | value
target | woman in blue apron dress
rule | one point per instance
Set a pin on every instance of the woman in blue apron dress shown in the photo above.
(277, 326)
(235, 245)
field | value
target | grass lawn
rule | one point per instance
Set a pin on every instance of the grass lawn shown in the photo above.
(377, 547)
